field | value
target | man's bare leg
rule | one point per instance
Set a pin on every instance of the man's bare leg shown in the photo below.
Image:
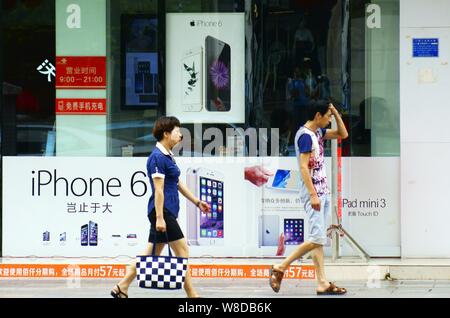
(296, 254)
(318, 259)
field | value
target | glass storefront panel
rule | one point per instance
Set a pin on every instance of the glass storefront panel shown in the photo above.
(133, 39)
(374, 117)
(294, 52)
(28, 57)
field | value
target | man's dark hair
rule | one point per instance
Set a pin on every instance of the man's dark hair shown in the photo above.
(317, 106)
(164, 124)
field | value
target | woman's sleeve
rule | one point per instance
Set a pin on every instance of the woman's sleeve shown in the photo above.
(157, 167)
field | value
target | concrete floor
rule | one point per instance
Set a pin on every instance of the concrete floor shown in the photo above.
(223, 288)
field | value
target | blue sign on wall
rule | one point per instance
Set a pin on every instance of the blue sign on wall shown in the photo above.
(426, 47)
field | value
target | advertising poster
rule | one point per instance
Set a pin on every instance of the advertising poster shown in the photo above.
(74, 207)
(205, 67)
(139, 61)
(52, 207)
(281, 221)
(220, 184)
(371, 204)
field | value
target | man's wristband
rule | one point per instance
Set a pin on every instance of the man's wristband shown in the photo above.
(198, 203)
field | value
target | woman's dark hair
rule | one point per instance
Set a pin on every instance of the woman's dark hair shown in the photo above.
(164, 124)
(317, 106)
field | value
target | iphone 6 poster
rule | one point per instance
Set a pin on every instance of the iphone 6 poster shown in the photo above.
(205, 67)
(206, 228)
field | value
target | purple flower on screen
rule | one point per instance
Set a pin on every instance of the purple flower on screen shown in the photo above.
(219, 74)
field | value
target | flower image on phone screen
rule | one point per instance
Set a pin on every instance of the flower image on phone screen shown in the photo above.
(218, 74)
(191, 86)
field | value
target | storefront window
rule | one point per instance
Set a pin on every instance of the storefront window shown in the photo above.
(27, 76)
(297, 61)
(135, 63)
(374, 116)
(283, 55)
(346, 51)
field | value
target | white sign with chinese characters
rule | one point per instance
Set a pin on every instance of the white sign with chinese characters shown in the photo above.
(74, 206)
(97, 207)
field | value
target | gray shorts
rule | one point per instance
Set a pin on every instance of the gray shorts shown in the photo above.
(317, 220)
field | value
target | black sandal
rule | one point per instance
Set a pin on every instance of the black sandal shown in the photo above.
(117, 294)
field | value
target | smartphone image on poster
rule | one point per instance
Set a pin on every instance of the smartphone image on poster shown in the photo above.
(191, 80)
(293, 231)
(217, 75)
(132, 239)
(192, 212)
(116, 239)
(285, 180)
(93, 233)
(269, 230)
(139, 79)
(46, 236)
(148, 83)
(210, 186)
(84, 235)
(143, 83)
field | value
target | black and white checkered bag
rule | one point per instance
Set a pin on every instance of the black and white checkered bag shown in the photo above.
(161, 272)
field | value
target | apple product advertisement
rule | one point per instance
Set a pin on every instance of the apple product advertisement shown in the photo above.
(192, 212)
(84, 235)
(205, 67)
(192, 85)
(206, 228)
(293, 231)
(62, 237)
(46, 236)
(139, 37)
(288, 180)
(211, 223)
(93, 233)
(269, 229)
(218, 75)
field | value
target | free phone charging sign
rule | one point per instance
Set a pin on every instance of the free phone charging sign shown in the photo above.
(426, 47)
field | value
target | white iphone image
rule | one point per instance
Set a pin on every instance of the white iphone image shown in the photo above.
(191, 80)
(192, 212)
(211, 189)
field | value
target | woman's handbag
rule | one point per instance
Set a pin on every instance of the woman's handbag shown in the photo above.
(161, 272)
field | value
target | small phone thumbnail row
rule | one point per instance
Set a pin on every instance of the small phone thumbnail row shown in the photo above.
(89, 235)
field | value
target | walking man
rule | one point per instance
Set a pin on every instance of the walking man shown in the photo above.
(315, 195)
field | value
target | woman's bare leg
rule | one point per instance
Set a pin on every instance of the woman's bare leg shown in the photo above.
(181, 249)
(131, 268)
